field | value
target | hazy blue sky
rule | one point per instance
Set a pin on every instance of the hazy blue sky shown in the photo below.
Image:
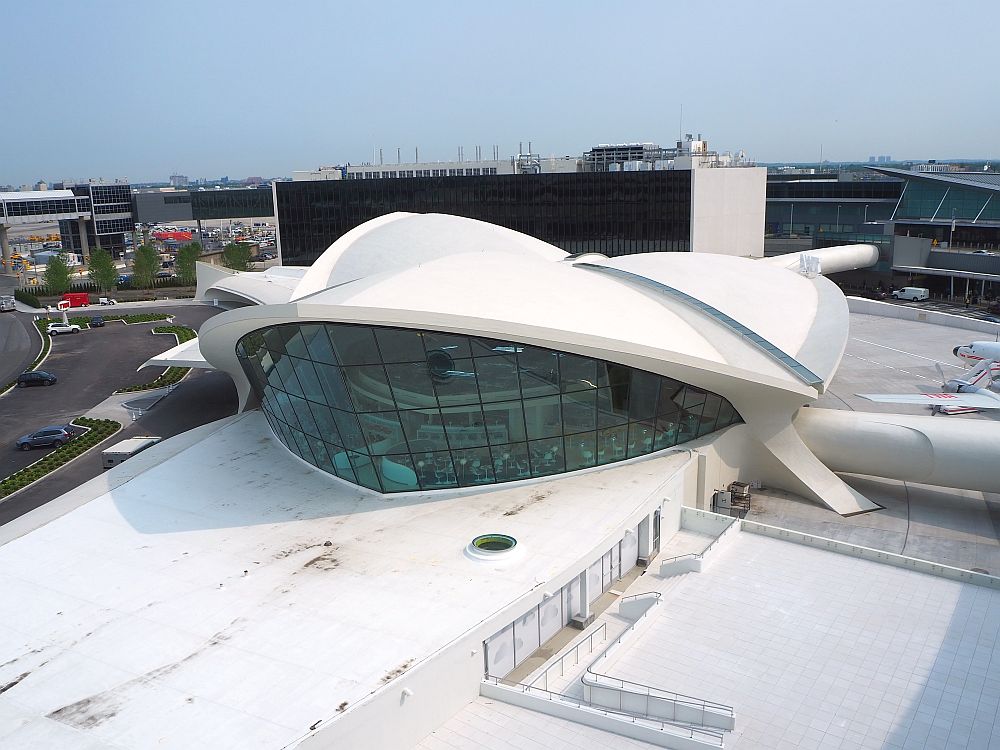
(209, 88)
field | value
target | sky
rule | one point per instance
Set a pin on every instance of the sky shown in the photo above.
(143, 90)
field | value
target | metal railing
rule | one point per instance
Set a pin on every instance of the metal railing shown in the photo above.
(602, 629)
(696, 733)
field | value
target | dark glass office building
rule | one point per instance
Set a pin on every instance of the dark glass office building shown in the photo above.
(615, 213)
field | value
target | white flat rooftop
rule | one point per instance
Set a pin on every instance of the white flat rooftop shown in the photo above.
(815, 649)
(197, 604)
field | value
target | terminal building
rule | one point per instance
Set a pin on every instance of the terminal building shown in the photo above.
(458, 509)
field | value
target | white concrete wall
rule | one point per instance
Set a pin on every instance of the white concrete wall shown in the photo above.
(727, 211)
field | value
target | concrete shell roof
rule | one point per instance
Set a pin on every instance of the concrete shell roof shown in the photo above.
(452, 273)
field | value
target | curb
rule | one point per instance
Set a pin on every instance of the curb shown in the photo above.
(168, 386)
(34, 365)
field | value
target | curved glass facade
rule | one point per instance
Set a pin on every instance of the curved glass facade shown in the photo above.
(398, 410)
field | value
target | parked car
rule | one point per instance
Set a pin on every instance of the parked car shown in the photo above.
(54, 435)
(56, 328)
(107, 301)
(96, 321)
(912, 293)
(164, 275)
(38, 377)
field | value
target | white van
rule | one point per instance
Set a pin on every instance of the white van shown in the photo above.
(912, 293)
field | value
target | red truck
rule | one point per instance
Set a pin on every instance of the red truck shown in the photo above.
(77, 299)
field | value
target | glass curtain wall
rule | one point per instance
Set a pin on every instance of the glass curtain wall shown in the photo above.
(398, 410)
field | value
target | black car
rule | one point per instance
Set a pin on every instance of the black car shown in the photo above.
(38, 377)
(97, 322)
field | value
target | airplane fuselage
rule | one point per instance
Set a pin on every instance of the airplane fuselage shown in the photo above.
(977, 351)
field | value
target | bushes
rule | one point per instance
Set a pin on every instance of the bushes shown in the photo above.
(27, 298)
(171, 375)
(98, 430)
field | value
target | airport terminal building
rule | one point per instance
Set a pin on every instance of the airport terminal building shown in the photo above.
(458, 509)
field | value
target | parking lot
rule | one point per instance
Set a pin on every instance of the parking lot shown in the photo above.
(90, 366)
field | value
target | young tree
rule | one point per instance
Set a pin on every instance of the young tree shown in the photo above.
(144, 267)
(187, 257)
(57, 275)
(102, 270)
(237, 255)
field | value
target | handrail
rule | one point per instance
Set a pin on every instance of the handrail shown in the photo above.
(655, 594)
(692, 732)
(575, 651)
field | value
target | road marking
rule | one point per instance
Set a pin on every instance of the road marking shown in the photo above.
(889, 367)
(901, 351)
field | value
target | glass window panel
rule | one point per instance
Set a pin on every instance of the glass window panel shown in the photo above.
(411, 385)
(305, 416)
(398, 473)
(302, 447)
(400, 345)
(727, 414)
(322, 456)
(342, 464)
(539, 369)
(709, 414)
(318, 344)
(424, 430)
(546, 456)
(354, 345)
(514, 461)
(504, 422)
(580, 410)
(474, 466)
(436, 470)
(457, 384)
(369, 388)
(464, 426)
(266, 361)
(364, 470)
(643, 392)
(294, 345)
(640, 438)
(326, 426)
(577, 373)
(493, 347)
(497, 377)
(383, 433)
(612, 406)
(581, 451)
(283, 401)
(456, 346)
(286, 373)
(350, 430)
(611, 444)
(542, 417)
(671, 393)
(306, 374)
(334, 388)
(274, 340)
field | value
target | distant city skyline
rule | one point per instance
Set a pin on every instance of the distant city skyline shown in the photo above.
(253, 88)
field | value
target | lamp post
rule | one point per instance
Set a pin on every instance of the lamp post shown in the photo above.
(791, 219)
(951, 237)
(866, 214)
(838, 218)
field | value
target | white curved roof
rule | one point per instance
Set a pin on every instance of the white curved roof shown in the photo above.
(725, 316)
(403, 240)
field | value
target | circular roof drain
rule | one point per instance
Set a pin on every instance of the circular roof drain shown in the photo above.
(491, 547)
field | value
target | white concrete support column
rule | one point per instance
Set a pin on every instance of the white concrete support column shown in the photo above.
(584, 617)
(84, 244)
(5, 245)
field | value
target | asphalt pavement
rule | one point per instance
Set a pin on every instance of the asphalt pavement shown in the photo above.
(202, 397)
(19, 345)
(90, 366)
